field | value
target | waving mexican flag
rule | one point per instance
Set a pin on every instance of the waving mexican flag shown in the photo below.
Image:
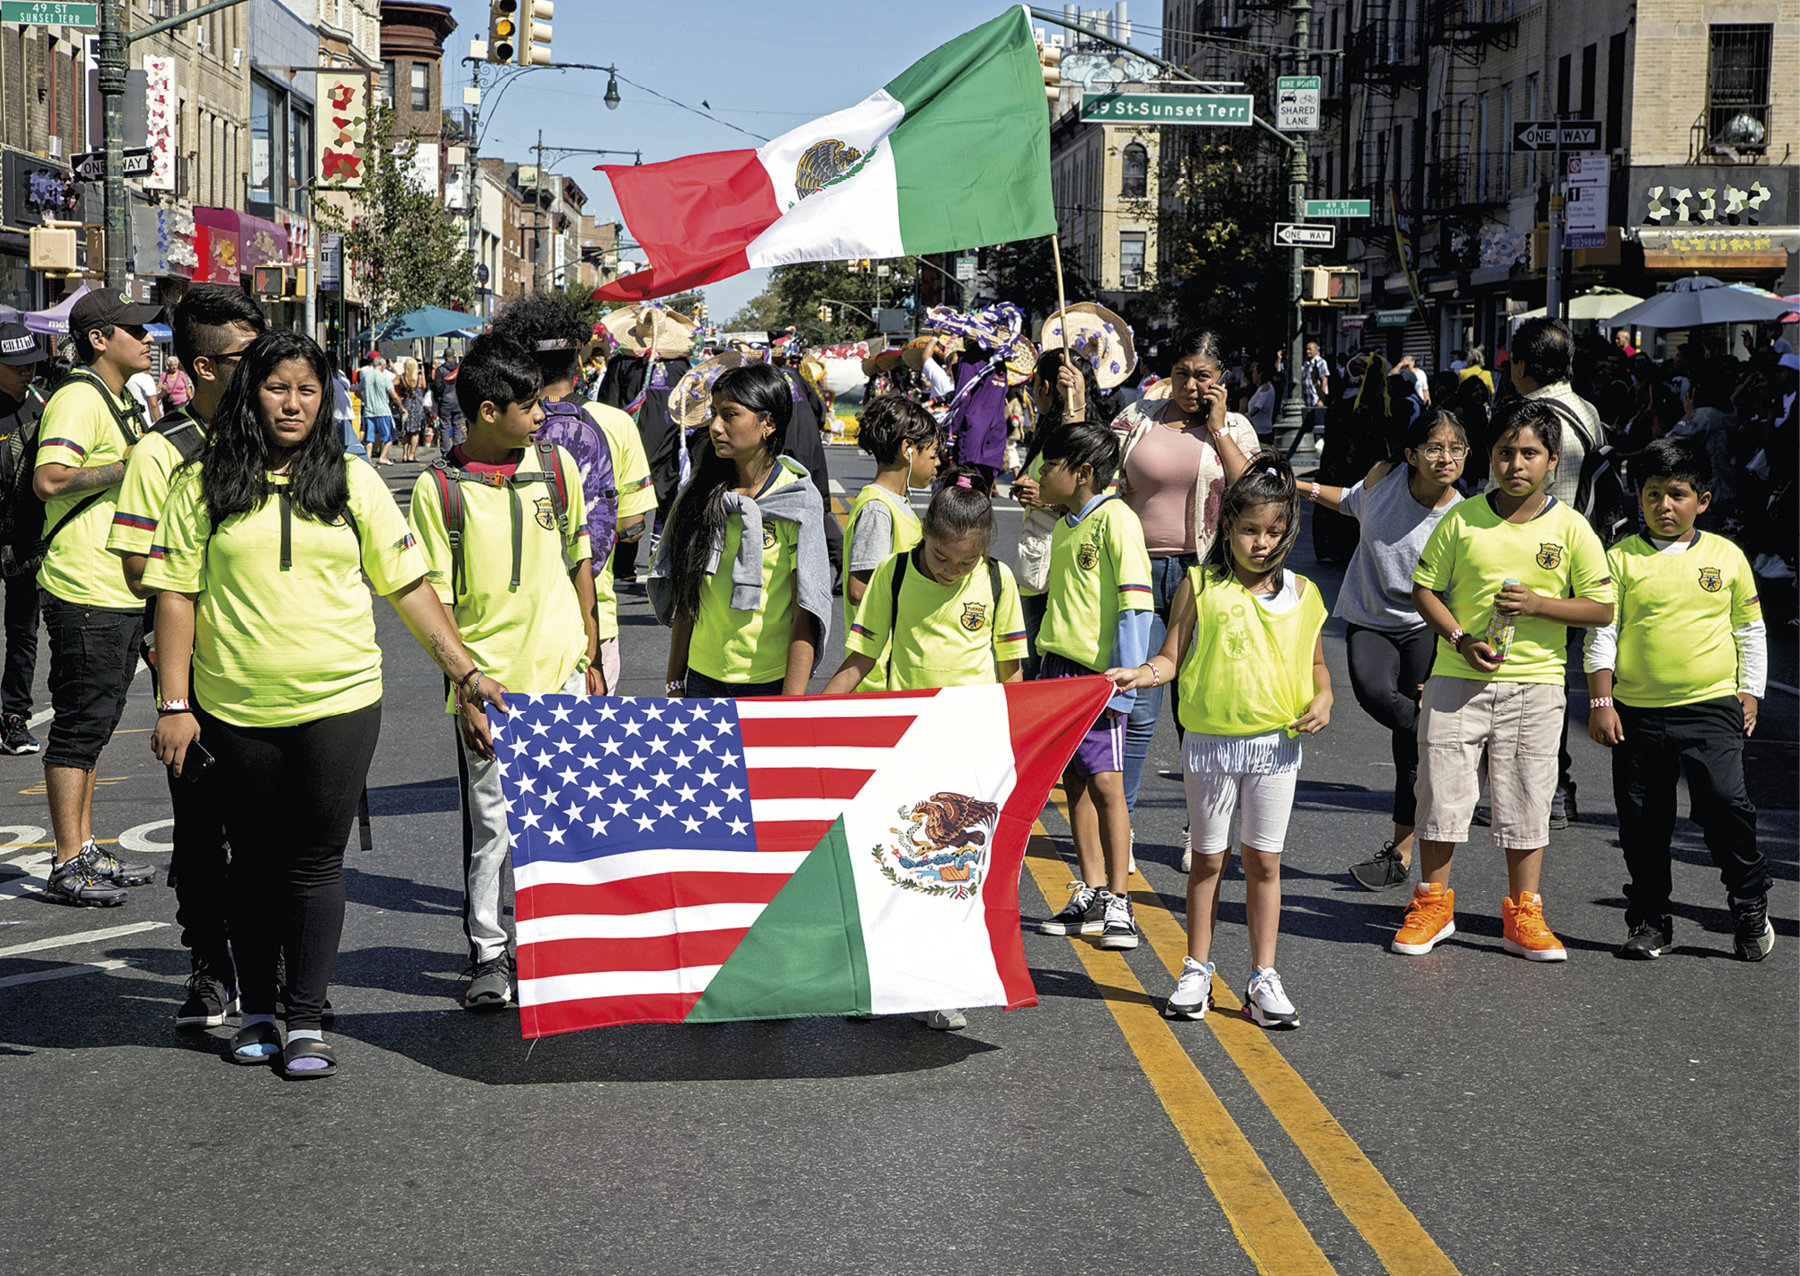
(952, 153)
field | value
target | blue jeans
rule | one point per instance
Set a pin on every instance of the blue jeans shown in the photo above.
(1166, 575)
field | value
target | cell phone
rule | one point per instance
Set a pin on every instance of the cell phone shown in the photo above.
(197, 762)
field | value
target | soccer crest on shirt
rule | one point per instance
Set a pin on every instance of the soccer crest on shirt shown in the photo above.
(974, 616)
(942, 851)
(1549, 555)
(768, 537)
(546, 514)
(1088, 557)
(1710, 580)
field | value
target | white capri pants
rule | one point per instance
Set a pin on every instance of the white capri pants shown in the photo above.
(1267, 802)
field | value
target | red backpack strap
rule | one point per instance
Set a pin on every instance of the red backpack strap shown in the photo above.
(450, 497)
(559, 492)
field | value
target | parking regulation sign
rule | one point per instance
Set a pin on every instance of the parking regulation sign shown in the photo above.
(1297, 103)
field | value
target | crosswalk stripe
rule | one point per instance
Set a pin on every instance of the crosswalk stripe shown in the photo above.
(83, 937)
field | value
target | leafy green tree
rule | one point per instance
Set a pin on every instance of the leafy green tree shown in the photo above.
(405, 252)
(1025, 274)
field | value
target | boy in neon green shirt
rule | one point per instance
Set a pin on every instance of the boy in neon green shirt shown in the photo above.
(1674, 686)
(521, 596)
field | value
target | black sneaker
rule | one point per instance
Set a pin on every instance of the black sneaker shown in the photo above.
(1084, 914)
(210, 1000)
(1750, 923)
(1563, 811)
(80, 882)
(1382, 873)
(118, 870)
(1648, 940)
(15, 737)
(1484, 816)
(1118, 929)
(491, 987)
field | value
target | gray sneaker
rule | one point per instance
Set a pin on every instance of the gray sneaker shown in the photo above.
(79, 882)
(111, 866)
(491, 987)
(943, 1020)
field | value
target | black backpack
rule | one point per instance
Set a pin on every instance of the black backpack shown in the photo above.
(993, 575)
(1602, 496)
(23, 540)
(449, 478)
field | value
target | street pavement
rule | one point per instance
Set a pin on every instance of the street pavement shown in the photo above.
(1466, 1111)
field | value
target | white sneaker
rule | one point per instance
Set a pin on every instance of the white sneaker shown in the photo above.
(1187, 850)
(943, 1020)
(1266, 1003)
(1192, 997)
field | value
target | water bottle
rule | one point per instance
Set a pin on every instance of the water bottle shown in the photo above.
(1499, 634)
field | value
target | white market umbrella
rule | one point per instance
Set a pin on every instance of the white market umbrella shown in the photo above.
(1600, 304)
(1690, 303)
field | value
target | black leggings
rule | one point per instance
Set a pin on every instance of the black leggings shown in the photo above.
(1388, 672)
(289, 796)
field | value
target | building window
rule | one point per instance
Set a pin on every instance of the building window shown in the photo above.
(1136, 164)
(387, 84)
(1131, 260)
(421, 87)
(1737, 88)
(268, 141)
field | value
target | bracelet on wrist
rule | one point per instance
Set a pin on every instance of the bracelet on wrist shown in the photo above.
(182, 705)
(474, 673)
(676, 686)
(1313, 495)
(1155, 673)
(1600, 702)
(1456, 640)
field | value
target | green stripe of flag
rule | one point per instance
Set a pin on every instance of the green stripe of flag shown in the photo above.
(972, 154)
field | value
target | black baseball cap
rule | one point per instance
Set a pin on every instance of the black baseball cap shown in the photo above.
(18, 347)
(105, 306)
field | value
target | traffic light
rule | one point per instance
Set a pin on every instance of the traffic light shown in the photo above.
(503, 30)
(534, 32)
(1050, 59)
(824, 314)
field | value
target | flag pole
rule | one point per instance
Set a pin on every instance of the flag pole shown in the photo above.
(1062, 311)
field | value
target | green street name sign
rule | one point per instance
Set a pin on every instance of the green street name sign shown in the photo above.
(1337, 208)
(1168, 108)
(49, 13)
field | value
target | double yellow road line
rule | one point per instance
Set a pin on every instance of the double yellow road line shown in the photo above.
(1259, 1212)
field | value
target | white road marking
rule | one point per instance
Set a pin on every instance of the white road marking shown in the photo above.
(137, 839)
(60, 972)
(84, 937)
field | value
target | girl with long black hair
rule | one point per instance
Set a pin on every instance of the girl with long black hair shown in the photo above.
(741, 572)
(268, 663)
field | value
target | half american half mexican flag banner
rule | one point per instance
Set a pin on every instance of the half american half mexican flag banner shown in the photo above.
(694, 861)
(952, 153)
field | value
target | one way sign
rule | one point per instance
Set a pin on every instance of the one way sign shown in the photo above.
(91, 167)
(1540, 135)
(1305, 235)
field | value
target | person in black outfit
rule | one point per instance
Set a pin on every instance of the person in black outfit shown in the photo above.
(20, 407)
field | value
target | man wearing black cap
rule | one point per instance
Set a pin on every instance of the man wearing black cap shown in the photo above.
(20, 407)
(88, 429)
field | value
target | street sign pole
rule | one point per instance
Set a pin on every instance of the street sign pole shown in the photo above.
(1553, 280)
(1292, 416)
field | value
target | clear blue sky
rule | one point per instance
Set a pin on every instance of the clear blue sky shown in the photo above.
(764, 68)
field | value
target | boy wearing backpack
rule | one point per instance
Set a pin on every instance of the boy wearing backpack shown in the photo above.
(21, 521)
(89, 428)
(214, 324)
(504, 529)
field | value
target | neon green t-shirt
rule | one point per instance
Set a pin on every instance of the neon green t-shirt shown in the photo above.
(637, 495)
(1473, 551)
(1247, 670)
(750, 646)
(1676, 614)
(79, 429)
(1098, 568)
(904, 533)
(273, 648)
(148, 474)
(947, 635)
(532, 638)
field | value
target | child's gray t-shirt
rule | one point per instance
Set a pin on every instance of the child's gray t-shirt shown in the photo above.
(1377, 590)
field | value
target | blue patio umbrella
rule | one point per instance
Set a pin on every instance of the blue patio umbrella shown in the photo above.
(420, 325)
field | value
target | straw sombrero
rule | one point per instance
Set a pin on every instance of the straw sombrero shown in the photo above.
(992, 326)
(1097, 333)
(1161, 390)
(1021, 360)
(643, 328)
(883, 361)
(690, 402)
(912, 354)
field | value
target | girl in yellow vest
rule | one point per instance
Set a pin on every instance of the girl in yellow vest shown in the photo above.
(1244, 642)
(904, 439)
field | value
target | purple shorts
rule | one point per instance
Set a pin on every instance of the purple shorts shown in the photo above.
(1102, 749)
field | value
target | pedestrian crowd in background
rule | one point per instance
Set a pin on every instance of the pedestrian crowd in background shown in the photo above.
(1577, 502)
